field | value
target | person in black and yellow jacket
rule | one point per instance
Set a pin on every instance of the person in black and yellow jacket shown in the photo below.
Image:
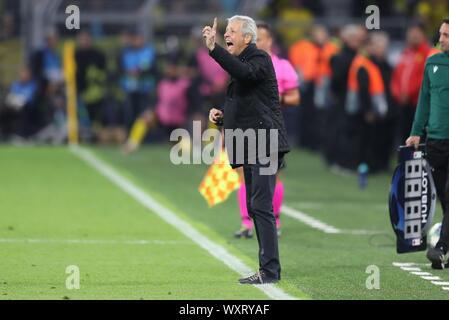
(432, 118)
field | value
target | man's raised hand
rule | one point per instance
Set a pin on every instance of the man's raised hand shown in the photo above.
(209, 35)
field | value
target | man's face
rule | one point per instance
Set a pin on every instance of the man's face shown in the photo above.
(138, 41)
(356, 40)
(25, 75)
(319, 35)
(378, 47)
(52, 41)
(236, 42)
(415, 36)
(84, 40)
(264, 40)
(444, 37)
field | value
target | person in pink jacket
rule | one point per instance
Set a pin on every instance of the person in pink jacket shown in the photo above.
(170, 111)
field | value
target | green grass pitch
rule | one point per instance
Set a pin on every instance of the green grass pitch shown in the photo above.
(57, 211)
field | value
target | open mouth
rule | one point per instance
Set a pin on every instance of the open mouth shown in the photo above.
(229, 44)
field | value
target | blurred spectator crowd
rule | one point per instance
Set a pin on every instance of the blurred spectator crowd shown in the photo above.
(356, 107)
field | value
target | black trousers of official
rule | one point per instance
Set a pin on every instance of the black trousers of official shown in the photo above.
(438, 157)
(406, 116)
(259, 200)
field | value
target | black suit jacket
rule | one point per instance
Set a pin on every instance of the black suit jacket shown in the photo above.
(252, 98)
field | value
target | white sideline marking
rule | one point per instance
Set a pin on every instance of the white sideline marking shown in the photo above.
(410, 268)
(435, 280)
(422, 264)
(310, 221)
(403, 264)
(87, 241)
(319, 225)
(421, 273)
(440, 283)
(171, 218)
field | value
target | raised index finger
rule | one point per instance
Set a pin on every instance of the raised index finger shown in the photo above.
(214, 26)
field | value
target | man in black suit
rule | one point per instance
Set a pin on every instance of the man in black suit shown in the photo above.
(252, 106)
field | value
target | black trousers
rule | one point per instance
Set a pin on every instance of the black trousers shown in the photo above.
(438, 157)
(406, 116)
(259, 201)
(135, 104)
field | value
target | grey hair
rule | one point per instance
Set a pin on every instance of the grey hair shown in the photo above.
(376, 36)
(350, 31)
(249, 26)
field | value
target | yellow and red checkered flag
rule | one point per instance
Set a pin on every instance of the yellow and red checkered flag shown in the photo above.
(219, 181)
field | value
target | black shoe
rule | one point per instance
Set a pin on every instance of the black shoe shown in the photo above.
(257, 278)
(436, 256)
(244, 233)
